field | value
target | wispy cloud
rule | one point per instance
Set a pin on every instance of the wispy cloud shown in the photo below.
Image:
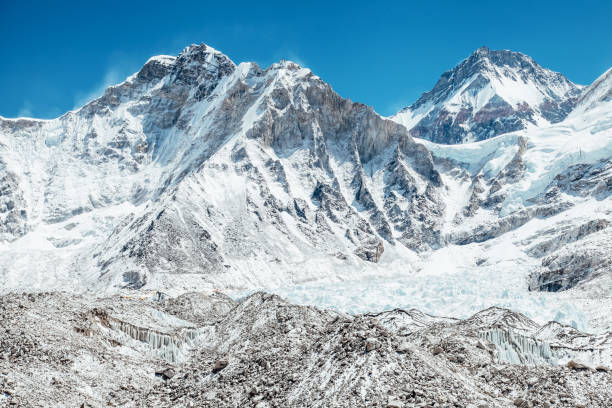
(289, 52)
(25, 111)
(395, 107)
(112, 76)
(297, 59)
(41, 111)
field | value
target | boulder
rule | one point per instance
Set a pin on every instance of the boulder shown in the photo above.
(577, 365)
(219, 365)
(394, 403)
(521, 403)
(166, 373)
(371, 344)
(437, 350)
(404, 347)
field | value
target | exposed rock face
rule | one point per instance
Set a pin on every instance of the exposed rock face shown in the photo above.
(488, 94)
(583, 179)
(13, 212)
(569, 236)
(575, 261)
(572, 255)
(61, 350)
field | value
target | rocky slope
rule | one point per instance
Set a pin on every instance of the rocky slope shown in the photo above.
(196, 173)
(207, 350)
(490, 93)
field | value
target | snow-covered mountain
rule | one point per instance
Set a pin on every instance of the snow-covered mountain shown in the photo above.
(490, 93)
(196, 173)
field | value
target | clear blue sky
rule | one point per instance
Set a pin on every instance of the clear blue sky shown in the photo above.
(56, 56)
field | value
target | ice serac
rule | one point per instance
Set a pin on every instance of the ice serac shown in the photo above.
(490, 93)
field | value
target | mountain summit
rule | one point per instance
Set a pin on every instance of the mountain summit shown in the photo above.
(489, 93)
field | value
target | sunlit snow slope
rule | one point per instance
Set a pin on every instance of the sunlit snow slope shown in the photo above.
(196, 174)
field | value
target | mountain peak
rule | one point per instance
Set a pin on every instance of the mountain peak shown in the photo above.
(201, 54)
(484, 50)
(489, 93)
(484, 56)
(201, 49)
